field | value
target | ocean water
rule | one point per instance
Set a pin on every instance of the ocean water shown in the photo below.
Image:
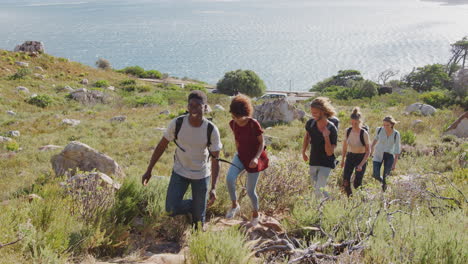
(291, 44)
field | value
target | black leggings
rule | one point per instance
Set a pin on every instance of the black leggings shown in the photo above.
(351, 163)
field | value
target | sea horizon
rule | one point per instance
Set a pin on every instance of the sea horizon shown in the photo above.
(291, 45)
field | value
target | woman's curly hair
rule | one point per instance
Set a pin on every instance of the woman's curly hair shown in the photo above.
(241, 106)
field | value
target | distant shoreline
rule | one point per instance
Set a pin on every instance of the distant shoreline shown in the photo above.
(448, 2)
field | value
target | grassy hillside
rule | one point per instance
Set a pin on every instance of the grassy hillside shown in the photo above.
(431, 229)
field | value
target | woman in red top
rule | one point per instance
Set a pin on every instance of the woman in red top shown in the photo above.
(250, 153)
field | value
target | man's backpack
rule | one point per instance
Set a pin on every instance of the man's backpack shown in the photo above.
(361, 133)
(394, 136)
(335, 121)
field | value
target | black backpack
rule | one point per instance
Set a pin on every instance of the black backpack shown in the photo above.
(209, 131)
(361, 133)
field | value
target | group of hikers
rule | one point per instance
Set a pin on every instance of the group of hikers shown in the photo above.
(198, 141)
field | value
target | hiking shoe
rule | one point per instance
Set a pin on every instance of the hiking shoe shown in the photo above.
(232, 212)
(384, 186)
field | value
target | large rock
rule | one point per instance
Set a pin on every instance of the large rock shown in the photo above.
(77, 155)
(31, 46)
(5, 139)
(14, 133)
(277, 111)
(87, 97)
(22, 89)
(71, 122)
(93, 178)
(22, 64)
(118, 119)
(219, 107)
(425, 109)
(459, 128)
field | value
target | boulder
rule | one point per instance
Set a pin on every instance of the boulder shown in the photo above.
(384, 90)
(31, 47)
(85, 81)
(277, 111)
(166, 259)
(165, 112)
(5, 139)
(39, 68)
(219, 107)
(111, 88)
(459, 128)
(425, 109)
(32, 197)
(77, 155)
(160, 129)
(86, 97)
(22, 64)
(22, 89)
(39, 76)
(416, 122)
(10, 112)
(68, 89)
(118, 119)
(14, 133)
(71, 122)
(93, 178)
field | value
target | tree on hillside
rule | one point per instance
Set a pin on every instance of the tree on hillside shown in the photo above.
(459, 54)
(429, 77)
(242, 81)
(342, 78)
(386, 75)
(104, 64)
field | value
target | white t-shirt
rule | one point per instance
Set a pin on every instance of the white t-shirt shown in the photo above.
(193, 163)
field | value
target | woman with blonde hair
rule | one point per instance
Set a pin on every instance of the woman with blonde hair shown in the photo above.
(355, 152)
(321, 135)
(386, 149)
(250, 156)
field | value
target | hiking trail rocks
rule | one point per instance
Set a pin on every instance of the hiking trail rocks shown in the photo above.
(71, 122)
(277, 111)
(87, 97)
(77, 155)
(31, 47)
(459, 128)
(425, 109)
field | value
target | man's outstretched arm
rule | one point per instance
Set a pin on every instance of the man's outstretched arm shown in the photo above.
(157, 153)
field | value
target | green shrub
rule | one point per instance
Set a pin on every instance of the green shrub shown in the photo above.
(193, 86)
(128, 82)
(20, 74)
(222, 247)
(143, 88)
(101, 83)
(12, 146)
(437, 99)
(408, 138)
(40, 100)
(133, 70)
(154, 74)
(242, 81)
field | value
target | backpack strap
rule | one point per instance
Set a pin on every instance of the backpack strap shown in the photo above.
(378, 131)
(348, 131)
(179, 122)
(361, 137)
(394, 136)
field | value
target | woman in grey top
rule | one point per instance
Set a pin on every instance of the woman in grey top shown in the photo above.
(385, 149)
